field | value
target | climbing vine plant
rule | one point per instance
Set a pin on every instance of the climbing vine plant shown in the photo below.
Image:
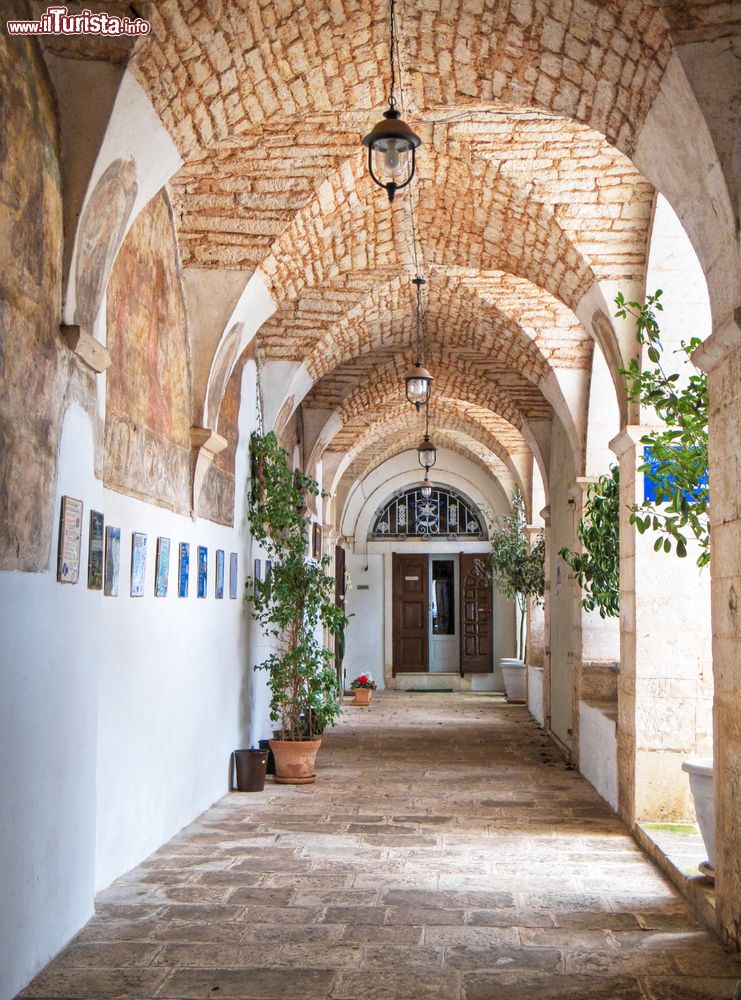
(676, 454)
(295, 600)
(596, 567)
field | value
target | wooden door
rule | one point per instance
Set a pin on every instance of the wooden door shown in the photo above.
(476, 617)
(411, 613)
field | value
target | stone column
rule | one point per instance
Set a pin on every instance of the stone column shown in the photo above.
(546, 515)
(596, 639)
(720, 356)
(664, 686)
(535, 614)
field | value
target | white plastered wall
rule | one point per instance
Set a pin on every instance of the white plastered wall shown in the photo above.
(118, 714)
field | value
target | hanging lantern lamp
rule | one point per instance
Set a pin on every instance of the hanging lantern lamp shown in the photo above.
(391, 143)
(426, 450)
(426, 453)
(419, 385)
(425, 487)
(418, 380)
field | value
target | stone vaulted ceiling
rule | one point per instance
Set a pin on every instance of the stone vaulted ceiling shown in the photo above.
(525, 196)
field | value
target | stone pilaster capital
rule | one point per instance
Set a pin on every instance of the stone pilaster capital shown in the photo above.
(207, 439)
(206, 445)
(89, 350)
(629, 437)
(545, 513)
(723, 341)
(578, 489)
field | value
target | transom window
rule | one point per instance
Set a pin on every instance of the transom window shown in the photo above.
(445, 513)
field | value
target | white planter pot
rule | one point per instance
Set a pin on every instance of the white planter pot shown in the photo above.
(701, 786)
(514, 679)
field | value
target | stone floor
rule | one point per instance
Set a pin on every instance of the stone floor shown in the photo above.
(445, 852)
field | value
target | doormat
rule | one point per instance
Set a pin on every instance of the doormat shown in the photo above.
(429, 691)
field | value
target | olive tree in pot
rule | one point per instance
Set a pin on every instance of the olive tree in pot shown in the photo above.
(517, 570)
(292, 605)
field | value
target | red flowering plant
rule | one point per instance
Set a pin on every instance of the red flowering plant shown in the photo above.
(364, 681)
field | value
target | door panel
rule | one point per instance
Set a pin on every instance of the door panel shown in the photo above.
(445, 643)
(410, 619)
(476, 618)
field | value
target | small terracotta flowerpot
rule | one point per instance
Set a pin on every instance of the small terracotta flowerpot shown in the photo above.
(294, 761)
(363, 696)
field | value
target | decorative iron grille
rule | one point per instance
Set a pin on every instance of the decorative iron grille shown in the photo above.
(445, 513)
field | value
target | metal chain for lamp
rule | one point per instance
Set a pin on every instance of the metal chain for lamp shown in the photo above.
(391, 139)
(420, 325)
(392, 52)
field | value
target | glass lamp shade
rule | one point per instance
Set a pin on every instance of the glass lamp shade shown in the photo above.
(419, 385)
(391, 157)
(426, 453)
(425, 488)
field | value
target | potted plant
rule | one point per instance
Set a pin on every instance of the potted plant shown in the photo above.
(363, 686)
(293, 605)
(517, 570)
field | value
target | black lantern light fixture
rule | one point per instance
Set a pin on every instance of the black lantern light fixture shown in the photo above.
(426, 450)
(425, 487)
(391, 143)
(418, 379)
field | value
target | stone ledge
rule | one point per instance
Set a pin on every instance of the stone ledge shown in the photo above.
(607, 708)
(698, 892)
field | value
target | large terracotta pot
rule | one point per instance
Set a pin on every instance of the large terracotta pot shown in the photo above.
(514, 679)
(362, 696)
(294, 761)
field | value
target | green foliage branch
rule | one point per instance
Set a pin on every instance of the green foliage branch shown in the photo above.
(678, 467)
(516, 569)
(295, 599)
(679, 449)
(597, 567)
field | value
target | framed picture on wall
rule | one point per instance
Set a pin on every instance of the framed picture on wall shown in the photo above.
(70, 540)
(162, 567)
(316, 541)
(138, 563)
(96, 547)
(233, 564)
(183, 569)
(112, 561)
(202, 570)
(219, 574)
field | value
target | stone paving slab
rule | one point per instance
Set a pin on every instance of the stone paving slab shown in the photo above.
(445, 852)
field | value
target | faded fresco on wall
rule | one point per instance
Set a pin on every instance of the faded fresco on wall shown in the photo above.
(102, 226)
(147, 438)
(34, 363)
(222, 369)
(217, 496)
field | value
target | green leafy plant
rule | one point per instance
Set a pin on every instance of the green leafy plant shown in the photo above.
(297, 599)
(597, 567)
(676, 455)
(516, 569)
